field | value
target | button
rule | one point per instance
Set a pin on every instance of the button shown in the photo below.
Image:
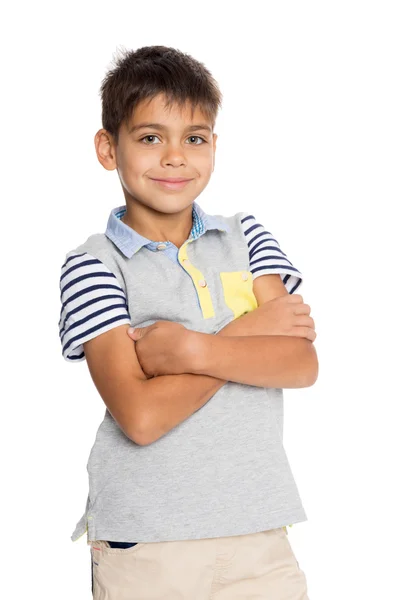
(245, 276)
(161, 247)
(203, 283)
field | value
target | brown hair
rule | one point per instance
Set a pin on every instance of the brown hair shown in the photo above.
(149, 71)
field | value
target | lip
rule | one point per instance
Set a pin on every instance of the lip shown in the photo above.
(173, 183)
(171, 179)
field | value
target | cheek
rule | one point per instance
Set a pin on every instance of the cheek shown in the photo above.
(204, 162)
(137, 163)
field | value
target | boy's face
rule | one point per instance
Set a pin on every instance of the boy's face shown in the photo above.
(181, 148)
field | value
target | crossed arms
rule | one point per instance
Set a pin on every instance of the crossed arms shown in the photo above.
(147, 408)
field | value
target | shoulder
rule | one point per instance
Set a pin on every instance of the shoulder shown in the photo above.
(99, 246)
(241, 219)
(92, 296)
(232, 222)
(266, 255)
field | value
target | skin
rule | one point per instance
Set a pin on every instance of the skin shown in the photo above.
(157, 213)
(167, 348)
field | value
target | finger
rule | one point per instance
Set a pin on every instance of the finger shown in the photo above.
(302, 309)
(305, 321)
(295, 298)
(135, 333)
(308, 333)
(304, 332)
(288, 298)
(140, 330)
(312, 335)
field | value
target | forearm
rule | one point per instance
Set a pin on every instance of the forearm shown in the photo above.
(252, 323)
(275, 361)
(170, 399)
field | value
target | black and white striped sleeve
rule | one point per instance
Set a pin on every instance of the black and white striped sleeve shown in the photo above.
(92, 302)
(266, 255)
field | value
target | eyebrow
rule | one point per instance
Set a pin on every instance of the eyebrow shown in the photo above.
(163, 127)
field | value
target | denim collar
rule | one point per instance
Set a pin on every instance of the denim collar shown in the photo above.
(129, 241)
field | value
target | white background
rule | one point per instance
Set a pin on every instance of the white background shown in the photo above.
(308, 143)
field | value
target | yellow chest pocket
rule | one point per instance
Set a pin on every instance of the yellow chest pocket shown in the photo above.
(238, 292)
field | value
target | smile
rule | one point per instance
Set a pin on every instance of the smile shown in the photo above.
(171, 185)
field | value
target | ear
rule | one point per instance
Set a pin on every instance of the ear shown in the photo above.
(105, 149)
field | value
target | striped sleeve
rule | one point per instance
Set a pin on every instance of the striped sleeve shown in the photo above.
(266, 256)
(92, 302)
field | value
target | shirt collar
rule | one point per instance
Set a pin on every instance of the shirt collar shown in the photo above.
(129, 241)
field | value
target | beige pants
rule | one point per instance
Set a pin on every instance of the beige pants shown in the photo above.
(246, 567)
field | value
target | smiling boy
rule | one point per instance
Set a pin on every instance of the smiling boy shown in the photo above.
(190, 488)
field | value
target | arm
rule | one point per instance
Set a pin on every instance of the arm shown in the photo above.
(113, 362)
(262, 360)
(146, 409)
(173, 398)
(135, 401)
(266, 361)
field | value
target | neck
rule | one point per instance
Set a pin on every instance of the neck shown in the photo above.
(157, 226)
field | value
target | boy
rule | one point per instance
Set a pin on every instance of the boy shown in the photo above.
(190, 490)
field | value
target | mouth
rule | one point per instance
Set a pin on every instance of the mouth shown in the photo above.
(173, 183)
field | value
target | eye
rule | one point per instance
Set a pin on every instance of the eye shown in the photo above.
(199, 138)
(155, 136)
(148, 136)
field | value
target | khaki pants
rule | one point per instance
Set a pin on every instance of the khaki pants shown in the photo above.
(246, 567)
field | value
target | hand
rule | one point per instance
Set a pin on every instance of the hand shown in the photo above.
(164, 348)
(286, 315)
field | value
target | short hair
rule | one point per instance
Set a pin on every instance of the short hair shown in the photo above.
(146, 72)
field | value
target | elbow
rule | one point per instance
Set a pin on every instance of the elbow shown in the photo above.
(145, 432)
(148, 435)
(145, 440)
(310, 367)
(309, 379)
(139, 430)
(139, 418)
(141, 435)
(139, 439)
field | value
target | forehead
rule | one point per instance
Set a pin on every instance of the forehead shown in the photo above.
(155, 110)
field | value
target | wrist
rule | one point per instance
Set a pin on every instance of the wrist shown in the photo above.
(196, 352)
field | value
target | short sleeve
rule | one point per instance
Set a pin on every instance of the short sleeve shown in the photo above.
(266, 255)
(92, 302)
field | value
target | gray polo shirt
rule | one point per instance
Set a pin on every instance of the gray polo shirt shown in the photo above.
(224, 470)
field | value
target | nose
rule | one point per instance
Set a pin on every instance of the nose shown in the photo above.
(174, 156)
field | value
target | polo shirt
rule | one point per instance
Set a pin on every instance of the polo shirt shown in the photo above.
(224, 470)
